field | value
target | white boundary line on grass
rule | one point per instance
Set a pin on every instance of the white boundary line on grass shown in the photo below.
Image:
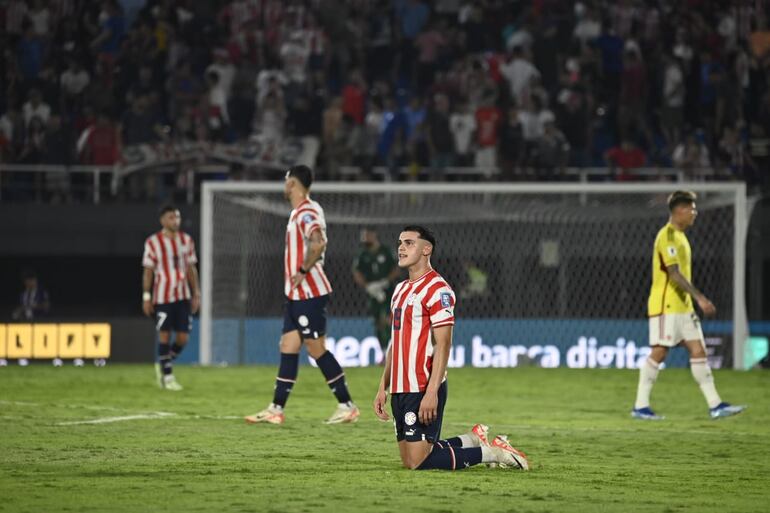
(108, 420)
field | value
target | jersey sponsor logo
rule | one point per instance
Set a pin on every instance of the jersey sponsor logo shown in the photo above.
(671, 251)
(446, 299)
(412, 299)
(410, 418)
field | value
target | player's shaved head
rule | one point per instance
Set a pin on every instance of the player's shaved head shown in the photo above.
(678, 198)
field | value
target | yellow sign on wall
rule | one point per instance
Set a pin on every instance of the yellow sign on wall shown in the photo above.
(48, 340)
(45, 341)
(71, 341)
(19, 341)
(97, 340)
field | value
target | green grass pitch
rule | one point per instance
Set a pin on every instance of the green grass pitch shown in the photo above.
(191, 451)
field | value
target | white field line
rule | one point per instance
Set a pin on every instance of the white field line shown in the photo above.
(128, 414)
(109, 420)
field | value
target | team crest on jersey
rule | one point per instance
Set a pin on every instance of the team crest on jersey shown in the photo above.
(410, 301)
(446, 299)
(410, 418)
(308, 218)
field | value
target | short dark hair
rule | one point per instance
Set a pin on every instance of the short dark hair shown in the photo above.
(168, 207)
(423, 232)
(302, 173)
(681, 198)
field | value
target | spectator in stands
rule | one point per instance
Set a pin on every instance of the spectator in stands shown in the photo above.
(11, 132)
(33, 149)
(99, 144)
(36, 108)
(217, 116)
(691, 155)
(59, 150)
(576, 121)
(552, 150)
(488, 119)
(672, 105)
(511, 145)
(30, 54)
(519, 73)
(622, 159)
(224, 70)
(354, 97)
(34, 301)
(73, 81)
(439, 136)
(733, 154)
(462, 123)
(110, 35)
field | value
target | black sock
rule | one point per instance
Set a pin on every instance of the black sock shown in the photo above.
(334, 375)
(165, 359)
(287, 376)
(451, 442)
(450, 458)
(176, 349)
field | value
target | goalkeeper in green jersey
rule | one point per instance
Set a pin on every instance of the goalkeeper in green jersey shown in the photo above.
(375, 271)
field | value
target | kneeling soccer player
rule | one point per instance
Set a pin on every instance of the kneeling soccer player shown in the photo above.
(422, 313)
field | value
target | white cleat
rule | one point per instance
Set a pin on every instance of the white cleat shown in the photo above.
(170, 383)
(272, 415)
(345, 413)
(479, 435)
(508, 456)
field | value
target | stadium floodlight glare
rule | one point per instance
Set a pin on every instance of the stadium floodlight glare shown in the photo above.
(549, 251)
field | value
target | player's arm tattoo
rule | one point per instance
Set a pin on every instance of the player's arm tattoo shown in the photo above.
(682, 282)
(442, 337)
(316, 248)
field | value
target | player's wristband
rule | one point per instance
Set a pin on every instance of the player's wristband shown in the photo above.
(302, 270)
(146, 296)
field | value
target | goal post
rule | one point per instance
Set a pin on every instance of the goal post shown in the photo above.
(566, 267)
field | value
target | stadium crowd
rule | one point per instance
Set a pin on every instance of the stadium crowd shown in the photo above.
(527, 87)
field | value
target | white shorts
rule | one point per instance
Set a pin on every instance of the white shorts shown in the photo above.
(671, 329)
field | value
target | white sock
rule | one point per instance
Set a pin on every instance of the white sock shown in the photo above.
(467, 441)
(648, 373)
(487, 455)
(702, 373)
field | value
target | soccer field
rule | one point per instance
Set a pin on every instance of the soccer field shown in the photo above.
(106, 439)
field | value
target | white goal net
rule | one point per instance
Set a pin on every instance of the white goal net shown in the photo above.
(546, 274)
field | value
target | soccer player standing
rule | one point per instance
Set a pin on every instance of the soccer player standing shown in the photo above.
(422, 311)
(307, 292)
(375, 270)
(170, 290)
(672, 317)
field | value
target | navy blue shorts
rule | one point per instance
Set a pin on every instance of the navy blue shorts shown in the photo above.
(406, 409)
(308, 316)
(174, 317)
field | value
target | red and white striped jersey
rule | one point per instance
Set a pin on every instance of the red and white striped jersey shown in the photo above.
(169, 258)
(416, 308)
(304, 220)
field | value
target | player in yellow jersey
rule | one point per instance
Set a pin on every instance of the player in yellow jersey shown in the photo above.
(673, 320)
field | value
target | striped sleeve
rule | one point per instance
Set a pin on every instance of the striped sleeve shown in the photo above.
(441, 307)
(309, 221)
(149, 260)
